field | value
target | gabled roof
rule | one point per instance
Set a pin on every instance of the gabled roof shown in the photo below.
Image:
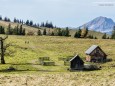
(73, 58)
(91, 49)
(76, 56)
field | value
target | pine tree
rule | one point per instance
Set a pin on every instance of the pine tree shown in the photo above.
(9, 32)
(52, 34)
(39, 33)
(79, 33)
(56, 32)
(85, 35)
(5, 19)
(31, 23)
(95, 37)
(38, 25)
(63, 32)
(46, 25)
(8, 20)
(84, 32)
(22, 22)
(59, 32)
(27, 22)
(51, 25)
(113, 33)
(0, 17)
(15, 21)
(76, 34)
(108, 38)
(23, 31)
(44, 32)
(20, 30)
(42, 24)
(67, 31)
(92, 37)
(15, 31)
(2, 30)
(104, 36)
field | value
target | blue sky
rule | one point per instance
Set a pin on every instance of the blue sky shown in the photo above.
(71, 13)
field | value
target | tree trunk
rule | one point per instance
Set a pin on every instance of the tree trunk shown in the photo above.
(2, 53)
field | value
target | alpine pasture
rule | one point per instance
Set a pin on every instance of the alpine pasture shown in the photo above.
(24, 52)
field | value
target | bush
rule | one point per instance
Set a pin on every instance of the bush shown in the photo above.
(108, 60)
(90, 67)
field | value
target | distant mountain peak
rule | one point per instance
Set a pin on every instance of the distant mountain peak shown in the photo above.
(100, 24)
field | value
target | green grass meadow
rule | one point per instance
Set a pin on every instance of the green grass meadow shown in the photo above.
(24, 56)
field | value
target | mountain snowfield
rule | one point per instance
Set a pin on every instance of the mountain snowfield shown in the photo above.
(101, 24)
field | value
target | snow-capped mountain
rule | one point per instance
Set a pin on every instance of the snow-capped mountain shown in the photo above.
(101, 24)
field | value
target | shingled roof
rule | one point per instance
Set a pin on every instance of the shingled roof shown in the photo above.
(91, 49)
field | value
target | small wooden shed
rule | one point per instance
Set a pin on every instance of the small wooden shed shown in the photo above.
(76, 63)
(95, 54)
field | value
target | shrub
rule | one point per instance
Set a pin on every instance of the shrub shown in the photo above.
(108, 60)
(90, 67)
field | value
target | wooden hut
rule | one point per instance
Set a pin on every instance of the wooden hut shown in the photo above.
(76, 63)
(95, 54)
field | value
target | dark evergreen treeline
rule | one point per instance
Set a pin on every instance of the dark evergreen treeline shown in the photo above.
(113, 33)
(55, 32)
(112, 36)
(18, 30)
(83, 33)
(2, 30)
(5, 19)
(29, 22)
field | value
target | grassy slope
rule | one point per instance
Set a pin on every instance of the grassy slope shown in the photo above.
(28, 28)
(24, 57)
(94, 33)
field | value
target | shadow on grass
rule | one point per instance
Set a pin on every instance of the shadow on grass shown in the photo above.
(84, 70)
(13, 69)
(23, 64)
(6, 71)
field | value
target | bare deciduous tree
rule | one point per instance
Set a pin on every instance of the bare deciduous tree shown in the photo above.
(3, 48)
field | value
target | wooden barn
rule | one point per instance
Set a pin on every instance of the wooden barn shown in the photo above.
(76, 63)
(95, 54)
